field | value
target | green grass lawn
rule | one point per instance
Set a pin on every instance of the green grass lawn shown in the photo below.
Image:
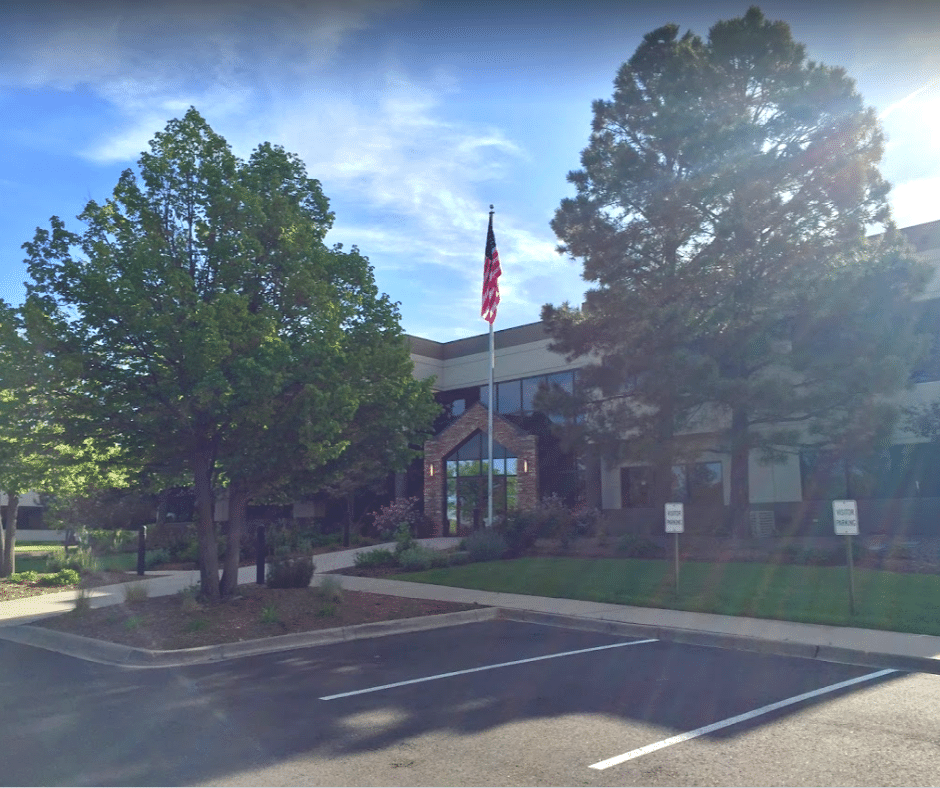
(36, 547)
(811, 594)
(120, 562)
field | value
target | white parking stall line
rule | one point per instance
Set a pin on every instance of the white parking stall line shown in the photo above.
(682, 737)
(485, 667)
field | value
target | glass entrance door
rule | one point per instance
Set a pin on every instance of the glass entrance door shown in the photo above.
(467, 482)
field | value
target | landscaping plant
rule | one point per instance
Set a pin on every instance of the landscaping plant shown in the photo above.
(290, 572)
(135, 592)
(64, 577)
(486, 545)
(375, 558)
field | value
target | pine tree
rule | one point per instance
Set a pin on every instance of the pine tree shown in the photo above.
(721, 211)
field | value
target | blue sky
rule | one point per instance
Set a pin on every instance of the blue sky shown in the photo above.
(415, 116)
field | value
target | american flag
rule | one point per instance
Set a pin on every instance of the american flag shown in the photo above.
(491, 272)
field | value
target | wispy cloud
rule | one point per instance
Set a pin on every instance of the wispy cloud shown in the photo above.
(897, 105)
(411, 185)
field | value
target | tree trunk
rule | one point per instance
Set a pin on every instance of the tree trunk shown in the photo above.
(205, 525)
(740, 499)
(237, 515)
(9, 547)
(162, 503)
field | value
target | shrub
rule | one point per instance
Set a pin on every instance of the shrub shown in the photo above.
(387, 520)
(404, 540)
(416, 559)
(457, 558)
(330, 589)
(135, 592)
(283, 538)
(486, 545)
(291, 572)
(24, 577)
(634, 546)
(555, 520)
(327, 611)
(439, 560)
(520, 530)
(587, 519)
(375, 558)
(64, 577)
(80, 559)
(269, 615)
(189, 597)
(184, 551)
(901, 552)
(108, 541)
(157, 557)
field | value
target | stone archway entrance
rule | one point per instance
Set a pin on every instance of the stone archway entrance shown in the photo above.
(455, 471)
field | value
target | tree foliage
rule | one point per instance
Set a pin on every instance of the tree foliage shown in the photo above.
(201, 321)
(34, 454)
(720, 211)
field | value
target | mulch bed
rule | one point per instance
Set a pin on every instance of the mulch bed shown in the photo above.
(178, 621)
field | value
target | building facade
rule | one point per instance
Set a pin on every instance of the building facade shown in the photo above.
(896, 489)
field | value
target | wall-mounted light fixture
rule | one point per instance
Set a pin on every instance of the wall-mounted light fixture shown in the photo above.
(430, 469)
(525, 466)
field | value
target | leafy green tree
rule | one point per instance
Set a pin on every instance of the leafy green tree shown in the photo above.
(201, 320)
(720, 211)
(924, 420)
(23, 431)
(392, 421)
(34, 455)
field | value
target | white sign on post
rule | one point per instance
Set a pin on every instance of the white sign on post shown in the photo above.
(675, 518)
(845, 517)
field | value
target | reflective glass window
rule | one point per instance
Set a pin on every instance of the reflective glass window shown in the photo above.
(509, 397)
(530, 387)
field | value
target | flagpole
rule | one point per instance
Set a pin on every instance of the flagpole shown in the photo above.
(489, 520)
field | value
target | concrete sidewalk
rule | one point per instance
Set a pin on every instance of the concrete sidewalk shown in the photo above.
(837, 644)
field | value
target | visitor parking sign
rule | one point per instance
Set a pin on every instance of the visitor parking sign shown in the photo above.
(675, 518)
(845, 518)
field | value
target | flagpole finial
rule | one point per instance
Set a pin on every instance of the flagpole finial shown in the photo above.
(491, 209)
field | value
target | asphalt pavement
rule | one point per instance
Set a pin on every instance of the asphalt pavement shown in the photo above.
(848, 645)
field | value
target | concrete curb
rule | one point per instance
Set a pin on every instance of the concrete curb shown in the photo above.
(106, 653)
(116, 654)
(780, 648)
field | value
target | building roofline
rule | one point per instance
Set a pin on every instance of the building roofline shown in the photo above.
(468, 346)
(921, 237)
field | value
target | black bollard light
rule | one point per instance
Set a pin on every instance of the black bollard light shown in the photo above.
(141, 549)
(260, 550)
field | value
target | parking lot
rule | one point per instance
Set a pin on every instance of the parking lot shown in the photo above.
(495, 703)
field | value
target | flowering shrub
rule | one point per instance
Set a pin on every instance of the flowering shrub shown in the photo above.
(551, 519)
(388, 519)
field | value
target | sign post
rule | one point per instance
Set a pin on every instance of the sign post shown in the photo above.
(845, 519)
(675, 524)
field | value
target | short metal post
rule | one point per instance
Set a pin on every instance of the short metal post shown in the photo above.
(260, 550)
(848, 549)
(141, 550)
(677, 563)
